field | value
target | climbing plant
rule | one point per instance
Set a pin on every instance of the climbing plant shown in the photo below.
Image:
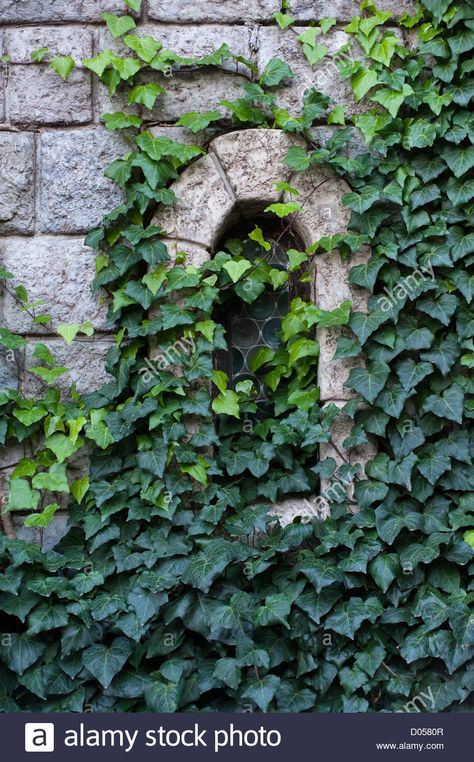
(227, 610)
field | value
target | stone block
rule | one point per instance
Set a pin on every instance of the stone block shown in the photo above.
(74, 194)
(324, 76)
(31, 11)
(37, 95)
(201, 90)
(57, 271)
(19, 44)
(212, 10)
(320, 197)
(202, 206)
(84, 360)
(192, 41)
(17, 151)
(184, 135)
(332, 285)
(47, 537)
(8, 369)
(251, 160)
(196, 255)
(333, 373)
(343, 10)
(2, 95)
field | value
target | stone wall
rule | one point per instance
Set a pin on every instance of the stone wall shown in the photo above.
(54, 148)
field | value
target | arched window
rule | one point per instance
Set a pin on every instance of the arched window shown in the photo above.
(256, 325)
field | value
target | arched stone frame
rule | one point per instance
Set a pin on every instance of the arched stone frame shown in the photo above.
(237, 178)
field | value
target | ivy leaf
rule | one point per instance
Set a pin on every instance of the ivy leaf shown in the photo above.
(118, 25)
(274, 611)
(257, 235)
(297, 158)
(384, 569)
(369, 381)
(42, 519)
(284, 20)
(369, 492)
(38, 54)
(121, 121)
(363, 81)
(449, 405)
(283, 210)
(236, 268)
(433, 465)
(459, 192)
(79, 488)
(104, 663)
(459, 160)
(411, 373)
(54, 479)
(361, 202)
(196, 121)
(154, 461)
(47, 616)
(337, 115)
(227, 403)
(62, 65)
(392, 100)
(22, 652)
(21, 497)
(347, 617)
(419, 134)
(145, 95)
(69, 332)
(134, 5)
(275, 72)
(145, 47)
(262, 690)
(365, 275)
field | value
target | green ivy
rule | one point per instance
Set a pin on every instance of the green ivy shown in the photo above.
(225, 609)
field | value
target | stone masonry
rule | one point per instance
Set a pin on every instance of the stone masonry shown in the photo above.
(54, 147)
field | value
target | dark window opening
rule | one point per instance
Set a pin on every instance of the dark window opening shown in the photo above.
(251, 327)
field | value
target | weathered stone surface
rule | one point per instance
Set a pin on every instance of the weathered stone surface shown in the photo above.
(16, 182)
(84, 360)
(341, 431)
(192, 41)
(37, 95)
(332, 281)
(202, 207)
(10, 456)
(212, 10)
(2, 96)
(19, 44)
(333, 373)
(74, 194)
(251, 160)
(196, 254)
(184, 135)
(57, 10)
(201, 90)
(320, 197)
(58, 271)
(324, 76)
(8, 370)
(343, 10)
(47, 537)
